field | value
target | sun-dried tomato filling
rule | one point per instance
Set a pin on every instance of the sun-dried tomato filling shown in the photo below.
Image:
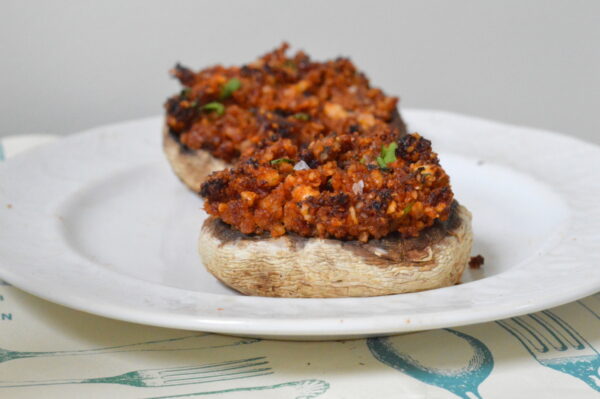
(235, 111)
(352, 193)
(316, 151)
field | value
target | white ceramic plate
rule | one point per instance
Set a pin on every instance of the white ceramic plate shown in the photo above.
(98, 222)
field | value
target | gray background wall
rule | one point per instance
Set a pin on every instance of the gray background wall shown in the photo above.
(69, 65)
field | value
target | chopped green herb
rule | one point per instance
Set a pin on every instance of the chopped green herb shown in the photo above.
(408, 208)
(228, 88)
(302, 116)
(193, 104)
(363, 160)
(388, 155)
(185, 92)
(280, 160)
(290, 64)
(214, 106)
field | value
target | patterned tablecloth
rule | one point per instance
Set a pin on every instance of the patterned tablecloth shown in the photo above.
(48, 351)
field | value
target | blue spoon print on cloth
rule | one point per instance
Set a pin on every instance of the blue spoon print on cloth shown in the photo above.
(463, 382)
(556, 345)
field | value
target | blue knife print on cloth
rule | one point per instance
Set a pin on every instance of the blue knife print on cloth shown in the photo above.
(305, 389)
(463, 382)
(556, 344)
(589, 308)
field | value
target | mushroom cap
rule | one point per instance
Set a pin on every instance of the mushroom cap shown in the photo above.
(191, 166)
(295, 266)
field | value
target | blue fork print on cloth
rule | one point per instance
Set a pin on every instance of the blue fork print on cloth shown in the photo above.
(556, 345)
(463, 382)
